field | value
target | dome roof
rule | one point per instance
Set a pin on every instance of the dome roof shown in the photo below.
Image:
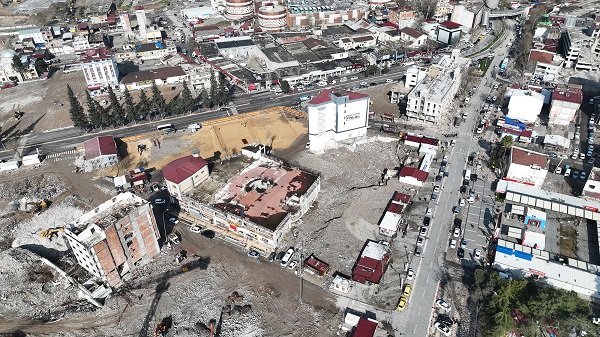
(8, 54)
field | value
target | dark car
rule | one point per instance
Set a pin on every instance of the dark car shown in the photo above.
(426, 221)
(445, 319)
(457, 222)
(439, 177)
(279, 256)
(272, 257)
(208, 233)
(460, 253)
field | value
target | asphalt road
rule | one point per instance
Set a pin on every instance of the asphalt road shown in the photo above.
(417, 319)
(66, 139)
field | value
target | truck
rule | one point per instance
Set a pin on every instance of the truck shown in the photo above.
(504, 64)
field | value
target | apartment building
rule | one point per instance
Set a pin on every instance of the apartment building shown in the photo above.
(114, 238)
(99, 68)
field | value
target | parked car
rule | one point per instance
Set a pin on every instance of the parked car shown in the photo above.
(456, 232)
(558, 170)
(407, 290)
(575, 174)
(423, 231)
(442, 328)
(582, 175)
(402, 304)
(463, 244)
(159, 201)
(410, 274)
(426, 221)
(477, 254)
(460, 253)
(453, 243)
(440, 303)
(436, 188)
(433, 196)
(253, 254)
(364, 84)
(174, 220)
(429, 211)
(456, 209)
(174, 238)
(418, 251)
(420, 241)
(293, 264)
(208, 234)
(462, 202)
(388, 80)
(271, 257)
(195, 229)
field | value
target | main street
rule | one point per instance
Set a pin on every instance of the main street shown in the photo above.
(66, 139)
(417, 319)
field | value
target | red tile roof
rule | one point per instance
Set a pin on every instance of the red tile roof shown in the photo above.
(96, 54)
(319, 266)
(367, 269)
(325, 96)
(527, 158)
(420, 140)
(413, 172)
(412, 32)
(99, 146)
(365, 328)
(540, 56)
(450, 24)
(363, 38)
(568, 95)
(180, 169)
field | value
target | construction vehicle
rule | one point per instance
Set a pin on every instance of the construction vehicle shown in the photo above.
(51, 232)
(38, 207)
(161, 329)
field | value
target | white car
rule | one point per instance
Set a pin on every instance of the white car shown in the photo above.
(456, 232)
(440, 303)
(354, 78)
(174, 220)
(445, 158)
(160, 201)
(195, 229)
(477, 254)
(389, 80)
(462, 202)
(436, 188)
(420, 241)
(429, 211)
(423, 231)
(410, 274)
(322, 83)
(293, 264)
(364, 83)
(470, 200)
(453, 243)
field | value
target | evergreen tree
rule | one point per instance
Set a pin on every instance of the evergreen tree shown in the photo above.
(17, 65)
(95, 112)
(213, 86)
(76, 110)
(118, 115)
(158, 101)
(175, 106)
(285, 86)
(187, 101)
(129, 108)
(203, 97)
(223, 92)
(143, 106)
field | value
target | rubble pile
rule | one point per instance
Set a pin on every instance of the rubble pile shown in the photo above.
(26, 234)
(350, 203)
(30, 288)
(16, 193)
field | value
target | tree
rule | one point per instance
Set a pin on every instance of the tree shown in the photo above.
(129, 109)
(40, 66)
(17, 65)
(285, 86)
(97, 114)
(174, 106)
(223, 92)
(118, 114)
(213, 86)
(143, 106)
(158, 101)
(507, 141)
(76, 110)
(203, 97)
(187, 102)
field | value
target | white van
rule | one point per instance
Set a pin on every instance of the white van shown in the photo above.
(568, 172)
(287, 257)
(467, 174)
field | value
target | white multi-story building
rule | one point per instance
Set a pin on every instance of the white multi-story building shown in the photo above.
(142, 23)
(527, 167)
(414, 75)
(564, 106)
(431, 97)
(81, 44)
(336, 116)
(525, 105)
(99, 68)
(468, 16)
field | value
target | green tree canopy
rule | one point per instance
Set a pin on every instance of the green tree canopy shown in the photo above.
(129, 107)
(17, 65)
(144, 106)
(98, 116)
(285, 86)
(76, 112)
(187, 101)
(158, 102)
(117, 112)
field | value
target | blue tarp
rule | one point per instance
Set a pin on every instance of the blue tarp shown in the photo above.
(521, 255)
(504, 250)
(515, 122)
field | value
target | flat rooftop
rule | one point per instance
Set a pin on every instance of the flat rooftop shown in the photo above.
(261, 190)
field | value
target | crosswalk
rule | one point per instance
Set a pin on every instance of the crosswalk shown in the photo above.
(62, 155)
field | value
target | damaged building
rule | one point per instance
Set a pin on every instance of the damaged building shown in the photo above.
(114, 238)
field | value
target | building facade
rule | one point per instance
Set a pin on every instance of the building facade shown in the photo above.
(336, 116)
(527, 167)
(114, 238)
(448, 32)
(99, 68)
(184, 174)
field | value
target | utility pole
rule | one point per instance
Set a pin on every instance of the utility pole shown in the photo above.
(301, 271)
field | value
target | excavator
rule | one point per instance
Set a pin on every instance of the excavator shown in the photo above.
(51, 232)
(38, 207)
(161, 329)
